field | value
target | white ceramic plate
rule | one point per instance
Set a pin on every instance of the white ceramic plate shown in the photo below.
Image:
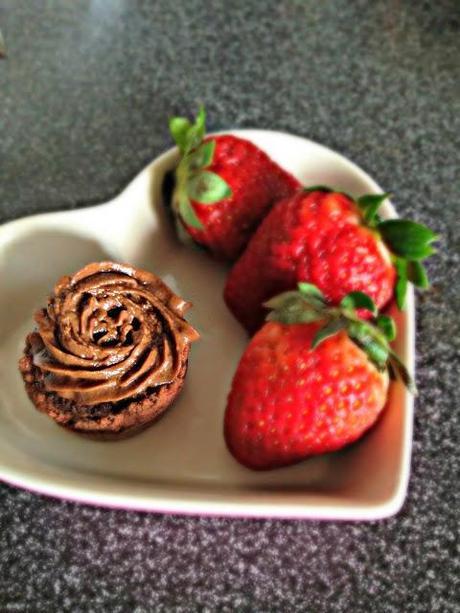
(181, 463)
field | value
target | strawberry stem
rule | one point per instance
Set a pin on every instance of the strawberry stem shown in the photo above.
(194, 182)
(307, 304)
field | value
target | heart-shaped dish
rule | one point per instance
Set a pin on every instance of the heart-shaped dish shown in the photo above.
(181, 463)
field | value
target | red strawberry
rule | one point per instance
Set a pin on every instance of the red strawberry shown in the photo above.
(328, 239)
(303, 389)
(224, 185)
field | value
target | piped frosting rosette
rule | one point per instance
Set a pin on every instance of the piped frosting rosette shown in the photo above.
(110, 332)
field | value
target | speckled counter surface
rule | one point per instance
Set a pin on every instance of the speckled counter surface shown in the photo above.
(84, 98)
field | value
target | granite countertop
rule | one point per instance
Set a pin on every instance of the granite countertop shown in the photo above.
(84, 96)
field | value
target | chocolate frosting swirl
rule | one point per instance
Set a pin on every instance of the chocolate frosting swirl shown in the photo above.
(110, 332)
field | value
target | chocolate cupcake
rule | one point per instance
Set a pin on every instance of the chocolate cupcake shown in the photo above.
(110, 351)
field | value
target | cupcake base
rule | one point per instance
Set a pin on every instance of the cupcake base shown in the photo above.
(105, 421)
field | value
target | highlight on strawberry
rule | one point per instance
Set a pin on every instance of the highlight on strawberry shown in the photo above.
(224, 186)
(339, 244)
(312, 380)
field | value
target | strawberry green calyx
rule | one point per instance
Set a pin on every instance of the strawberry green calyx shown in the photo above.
(307, 304)
(408, 242)
(193, 180)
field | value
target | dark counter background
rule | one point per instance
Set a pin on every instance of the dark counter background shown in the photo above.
(84, 97)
